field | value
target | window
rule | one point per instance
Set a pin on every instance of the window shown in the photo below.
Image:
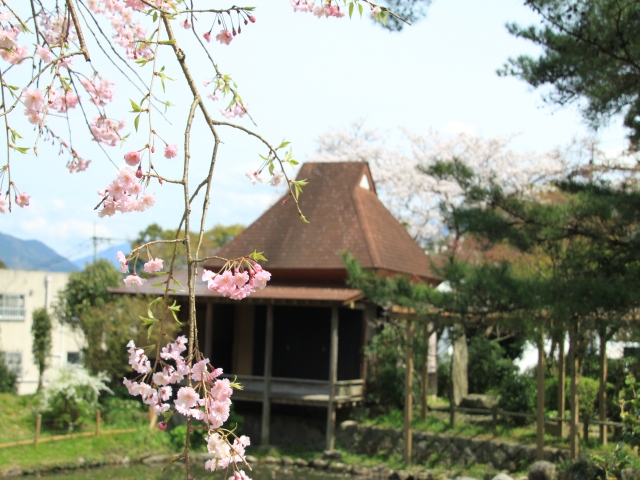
(73, 358)
(13, 360)
(12, 307)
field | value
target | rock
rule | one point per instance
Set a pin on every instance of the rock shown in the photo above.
(332, 455)
(543, 470)
(464, 478)
(338, 467)
(251, 459)
(476, 400)
(286, 461)
(12, 472)
(126, 461)
(155, 459)
(317, 463)
(300, 462)
(502, 476)
(360, 471)
(426, 475)
(269, 460)
(629, 474)
(403, 475)
(348, 424)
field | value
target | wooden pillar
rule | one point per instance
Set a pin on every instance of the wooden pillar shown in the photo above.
(602, 394)
(333, 378)
(408, 394)
(425, 372)
(268, 362)
(208, 331)
(562, 383)
(540, 400)
(574, 448)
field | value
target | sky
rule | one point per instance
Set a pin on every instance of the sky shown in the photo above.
(302, 76)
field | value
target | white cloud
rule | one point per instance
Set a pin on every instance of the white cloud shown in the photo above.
(455, 127)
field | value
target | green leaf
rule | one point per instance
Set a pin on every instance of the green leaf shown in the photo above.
(135, 106)
(350, 9)
(149, 332)
(136, 121)
(155, 16)
(13, 87)
(257, 256)
(283, 144)
(159, 284)
(360, 8)
(176, 282)
(304, 219)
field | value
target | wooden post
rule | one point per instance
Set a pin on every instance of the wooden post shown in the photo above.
(268, 362)
(408, 394)
(602, 394)
(152, 418)
(208, 331)
(562, 384)
(333, 378)
(540, 400)
(494, 419)
(97, 423)
(425, 373)
(573, 360)
(38, 425)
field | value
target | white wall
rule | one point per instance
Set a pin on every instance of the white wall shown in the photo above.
(39, 289)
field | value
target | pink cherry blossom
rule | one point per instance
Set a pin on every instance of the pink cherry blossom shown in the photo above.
(44, 53)
(33, 98)
(23, 199)
(132, 158)
(187, 398)
(224, 37)
(133, 280)
(170, 151)
(3, 205)
(124, 263)
(186, 23)
(207, 36)
(154, 265)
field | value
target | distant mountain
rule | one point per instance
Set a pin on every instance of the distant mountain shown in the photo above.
(31, 255)
(108, 254)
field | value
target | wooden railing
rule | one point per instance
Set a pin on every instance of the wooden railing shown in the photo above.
(298, 390)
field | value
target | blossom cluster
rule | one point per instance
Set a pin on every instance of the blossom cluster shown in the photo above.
(239, 284)
(321, 10)
(211, 406)
(256, 177)
(154, 265)
(125, 194)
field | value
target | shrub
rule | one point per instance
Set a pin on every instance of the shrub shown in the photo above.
(71, 395)
(8, 377)
(385, 381)
(518, 394)
(488, 365)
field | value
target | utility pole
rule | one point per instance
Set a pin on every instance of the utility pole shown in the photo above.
(97, 240)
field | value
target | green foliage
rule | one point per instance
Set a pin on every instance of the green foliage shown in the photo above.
(178, 435)
(41, 346)
(85, 290)
(3, 266)
(70, 396)
(583, 468)
(488, 366)
(385, 379)
(123, 413)
(518, 394)
(590, 56)
(8, 376)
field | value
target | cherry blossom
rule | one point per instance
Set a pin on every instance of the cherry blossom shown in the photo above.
(132, 158)
(23, 199)
(3, 205)
(170, 151)
(224, 37)
(124, 262)
(133, 280)
(154, 265)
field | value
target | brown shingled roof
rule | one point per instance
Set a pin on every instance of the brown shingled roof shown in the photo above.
(343, 216)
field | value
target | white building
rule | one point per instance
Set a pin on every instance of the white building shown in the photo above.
(22, 292)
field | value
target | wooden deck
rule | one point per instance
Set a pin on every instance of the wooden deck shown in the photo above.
(294, 391)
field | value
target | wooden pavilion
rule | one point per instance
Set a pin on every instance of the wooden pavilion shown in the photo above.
(300, 340)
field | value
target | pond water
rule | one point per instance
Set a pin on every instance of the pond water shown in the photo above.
(177, 472)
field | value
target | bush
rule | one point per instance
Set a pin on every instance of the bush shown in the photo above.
(488, 365)
(385, 380)
(8, 377)
(518, 394)
(124, 413)
(70, 396)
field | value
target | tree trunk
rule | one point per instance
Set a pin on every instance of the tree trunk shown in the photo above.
(562, 383)
(540, 400)
(575, 372)
(602, 394)
(460, 365)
